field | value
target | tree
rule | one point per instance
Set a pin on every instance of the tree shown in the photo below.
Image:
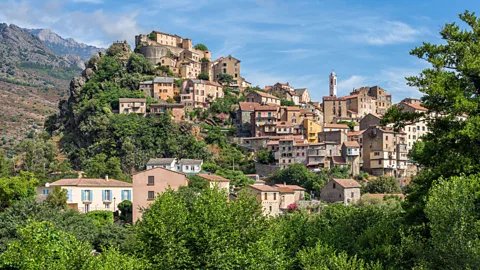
(225, 79)
(452, 211)
(285, 102)
(126, 208)
(101, 218)
(137, 63)
(450, 89)
(203, 76)
(16, 188)
(350, 124)
(57, 198)
(5, 165)
(100, 167)
(114, 50)
(265, 157)
(383, 184)
(205, 60)
(201, 47)
(153, 35)
(295, 174)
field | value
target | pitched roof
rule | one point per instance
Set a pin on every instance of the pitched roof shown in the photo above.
(284, 124)
(340, 126)
(265, 108)
(338, 160)
(415, 106)
(160, 161)
(264, 188)
(284, 189)
(163, 80)
(212, 83)
(132, 100)
(248, 106)
(351, 144)
(291, 108)
(267, 95)
(272, 143)
(300, 91)
(90, 182)
(355, 133)
(186, 161)
(350, 97)
(159, 168)
(213, 177)
(347, 183)
(293, 187)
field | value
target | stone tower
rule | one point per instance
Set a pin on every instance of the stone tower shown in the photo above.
(333, 84)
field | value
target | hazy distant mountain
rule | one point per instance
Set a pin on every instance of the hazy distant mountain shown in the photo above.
(33, 78)
(73, 51)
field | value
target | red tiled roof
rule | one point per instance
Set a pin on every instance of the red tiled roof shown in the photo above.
(351, 144)
(248, 106)
(213, 177)
(355, 133)
(266, 108)
(350, 97)
(264, 188)
(291, 108)
(132, 100)
(212, 83)
(416, 106)
(340, 126)
(159, 168)
(90, 182)
(347, 183)
(267, 95)
(272, 143)
(293, 187)
(338, 160)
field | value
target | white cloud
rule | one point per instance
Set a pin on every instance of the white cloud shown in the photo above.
(346, 86)
(88, 1)
(380, 32)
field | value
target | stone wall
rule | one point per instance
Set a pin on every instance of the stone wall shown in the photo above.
(265, 170)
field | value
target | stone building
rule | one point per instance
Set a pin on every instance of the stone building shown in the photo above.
(262, 98)
(132, 105)
(382, 100)
(269, 197)
(176, 110)
(346, 191)
(231, 66)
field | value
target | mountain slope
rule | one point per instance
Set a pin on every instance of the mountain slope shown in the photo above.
(75, 52)
(32, 81)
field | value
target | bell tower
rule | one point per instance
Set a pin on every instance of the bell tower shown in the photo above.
(333, 84)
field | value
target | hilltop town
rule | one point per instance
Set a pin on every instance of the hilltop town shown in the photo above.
(162, 157)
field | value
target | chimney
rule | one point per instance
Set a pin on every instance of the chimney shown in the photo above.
(80, 174)
(106, 177)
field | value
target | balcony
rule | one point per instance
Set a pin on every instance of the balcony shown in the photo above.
(402, 148)
(353, 151)
(383, 165)
(382, 155)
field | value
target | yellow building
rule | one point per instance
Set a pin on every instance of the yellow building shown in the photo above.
(312, 129)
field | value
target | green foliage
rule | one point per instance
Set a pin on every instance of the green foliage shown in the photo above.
(198, 183)
(350, 124)
(5, 165)
(166, 70)
(137, 63)
(126, 208)
(62, 73)
(363, 175)
(225, 78)
(237, 178)
(101, 218)
(114, 50)
(152, 36)
(452, 211)
(265, 157)
(326, 258)
(285, 102)
(201, 47)
(100, 167)
(209, 167)
(203, 76)
(16, 188)
(204, 60)
(383, 184)
(57, 198)
(198, 235)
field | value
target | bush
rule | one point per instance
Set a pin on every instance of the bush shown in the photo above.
(201, 47)
(203, 76)
(125, 208)
(101, 218)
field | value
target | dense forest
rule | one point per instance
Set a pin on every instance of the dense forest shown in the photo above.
(436, 227)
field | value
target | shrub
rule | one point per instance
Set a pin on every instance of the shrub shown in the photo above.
(101, 218)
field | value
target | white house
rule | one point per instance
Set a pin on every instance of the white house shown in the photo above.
(188, 166)
(87, 194)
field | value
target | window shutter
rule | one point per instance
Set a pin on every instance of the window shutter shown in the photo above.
(103, 195)
(69, 195)
(111, 195)
(91, 195)
(123, 195)
(83, 195)
(129, 195)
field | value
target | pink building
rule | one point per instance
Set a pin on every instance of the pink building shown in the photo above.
(147, 184)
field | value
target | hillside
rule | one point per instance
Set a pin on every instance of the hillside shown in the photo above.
(32, 81)
(74, 52)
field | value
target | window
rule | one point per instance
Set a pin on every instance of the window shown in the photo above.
(298, 154)
(265, 196)
(151, 195)
(414, 137)
(270, 208)
(151, 180)
(423, 128)
(87, 195)
(380, 162)
(69, 195)
(340, 195)
(386, 138)
(353, 194)
(107, 205)
(334, 185)
(259, 114)
(126, 195)
(274, 196)
(87, 208)
(186, 167)
(45, 192)
(106, 195)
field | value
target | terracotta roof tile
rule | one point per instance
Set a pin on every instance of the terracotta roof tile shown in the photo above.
(351, 144)
(132, 100)
(90, 182)
(347, 183)
(266, 108)
(267, 95)
(264, 188)
(340, 126)
(338, 160)
(293, 187)
(213, 177)
(355, 133)
(248, 106)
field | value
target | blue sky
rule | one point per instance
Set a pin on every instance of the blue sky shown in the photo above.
(297, 41)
